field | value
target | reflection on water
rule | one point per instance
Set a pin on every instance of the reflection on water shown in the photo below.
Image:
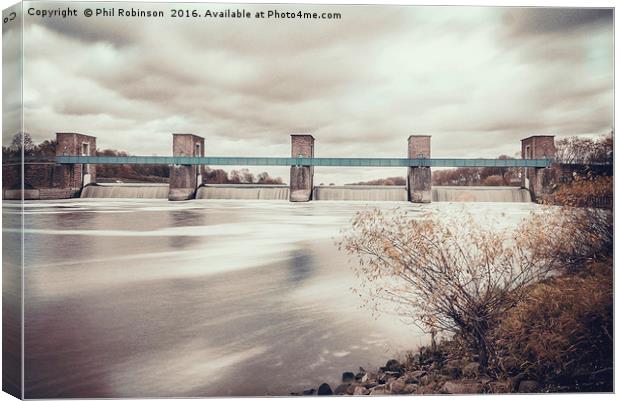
(144, 298)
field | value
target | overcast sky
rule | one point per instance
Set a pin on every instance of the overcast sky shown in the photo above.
(477, 79)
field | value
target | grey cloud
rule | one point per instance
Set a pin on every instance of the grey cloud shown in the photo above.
(361, 85)
(537, 21)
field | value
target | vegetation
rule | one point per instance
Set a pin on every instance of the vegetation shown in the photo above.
(132, 172)
(383, 181)
(585, 150)
(478, 176)
(532, 304)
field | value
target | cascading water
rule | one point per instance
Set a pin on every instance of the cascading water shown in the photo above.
(128, 191)
(481, 194)
(360, 193)
(371, 193)
(243, 191)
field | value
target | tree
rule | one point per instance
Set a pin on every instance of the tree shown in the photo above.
(22, 140)
(585, 150)
(443, 275)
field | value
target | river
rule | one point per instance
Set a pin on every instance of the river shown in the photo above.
(145, 298)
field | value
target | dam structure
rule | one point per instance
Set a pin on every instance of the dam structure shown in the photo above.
(72, 173)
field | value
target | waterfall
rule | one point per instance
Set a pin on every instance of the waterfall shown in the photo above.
(371, 193)
(243, 191)
(481, 194)
(129, 191)
(360, 193)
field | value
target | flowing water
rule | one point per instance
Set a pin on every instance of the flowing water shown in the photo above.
(330, 193)
(262, 192)
(144, 298)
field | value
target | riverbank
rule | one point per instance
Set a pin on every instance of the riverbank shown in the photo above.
(557, 340)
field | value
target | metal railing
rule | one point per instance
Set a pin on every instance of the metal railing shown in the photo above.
(304, 161)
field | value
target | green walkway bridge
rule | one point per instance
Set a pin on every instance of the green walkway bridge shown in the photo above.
(304, 161)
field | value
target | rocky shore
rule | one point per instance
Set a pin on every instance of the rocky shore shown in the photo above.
(425, 372)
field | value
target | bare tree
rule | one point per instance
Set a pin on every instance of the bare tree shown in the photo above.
(22, 140)
(585, 150)
(441, 275)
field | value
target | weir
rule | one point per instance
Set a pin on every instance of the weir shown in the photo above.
(126, 191)
(73, 172)
(244, 191)
(370, 193)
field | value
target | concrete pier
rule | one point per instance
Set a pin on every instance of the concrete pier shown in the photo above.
(185, 179)
(539, 181)
(301, 183)
(419, 178)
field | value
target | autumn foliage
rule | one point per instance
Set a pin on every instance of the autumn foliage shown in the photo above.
(512, 299)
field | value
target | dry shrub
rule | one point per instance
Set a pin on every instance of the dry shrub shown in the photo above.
(568, 238)
(562, 333)
(588, 191)
(448, 276)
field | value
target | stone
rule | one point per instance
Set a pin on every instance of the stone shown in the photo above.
(361, 390)
(368, 377)
(410, 389)
(380, 390)
(342, 389)
(414, 377)
(397, 386)
(451, 370)
(393, 366)
(528, 386)
(325, 389)
(471, 369)
(461, 387)
(309, 392)
(348, 377)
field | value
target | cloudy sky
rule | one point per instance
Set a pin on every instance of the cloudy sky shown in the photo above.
(477, 79)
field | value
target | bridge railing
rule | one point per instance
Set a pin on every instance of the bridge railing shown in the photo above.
(304, 161)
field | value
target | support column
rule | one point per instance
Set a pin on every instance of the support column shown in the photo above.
(419, 178)
(301, 184)
(538, 180)
(186, 178)
(73, 177)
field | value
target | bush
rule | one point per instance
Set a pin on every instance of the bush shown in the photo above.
(447, 276)
(588, 191)
(562, 334)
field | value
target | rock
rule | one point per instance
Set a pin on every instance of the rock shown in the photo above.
(393, 365)
(410, 389)
(348, 377)
(452, 370)
(387, 375)
(461, 387)
(309, 392)
(379, 390)
(342, 389)
(325, 389)
(397, 386)
(359, 376)
(413, 377)
(528, 386)
(471, 369)
(361, 390)
(368, 377)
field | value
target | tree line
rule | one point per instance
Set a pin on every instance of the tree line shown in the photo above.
(132, 172)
